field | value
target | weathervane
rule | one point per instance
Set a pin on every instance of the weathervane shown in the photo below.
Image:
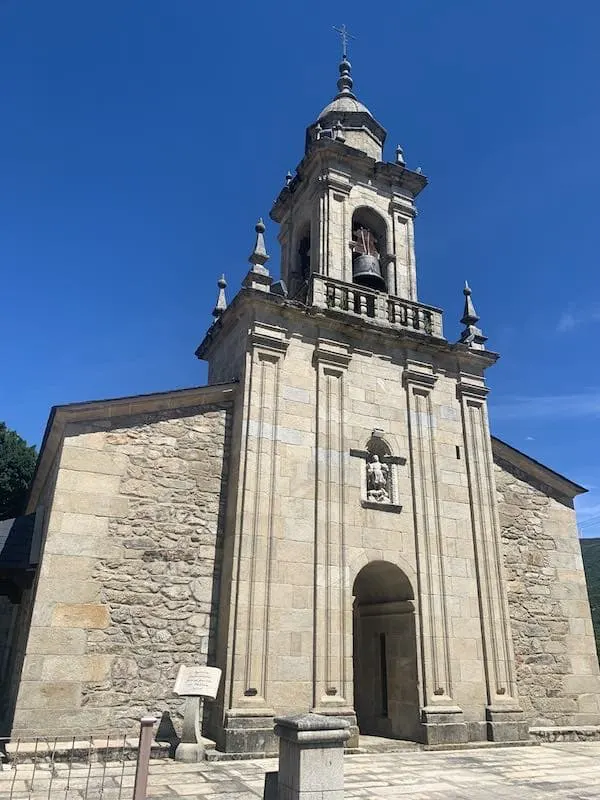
(344, 36)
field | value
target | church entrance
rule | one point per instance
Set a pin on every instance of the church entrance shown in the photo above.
(386, 697)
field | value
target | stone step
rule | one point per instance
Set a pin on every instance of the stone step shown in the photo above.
(379, 744)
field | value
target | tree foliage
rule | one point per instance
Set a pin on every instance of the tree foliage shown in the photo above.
(590, 550)
(17, 465)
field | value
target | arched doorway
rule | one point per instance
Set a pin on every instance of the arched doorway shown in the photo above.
(386, 698)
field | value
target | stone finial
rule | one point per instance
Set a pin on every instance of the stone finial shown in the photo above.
(345, 81)
(400, 155)
(259, 256)
(288, 178)
(221, 299)
(472, 335)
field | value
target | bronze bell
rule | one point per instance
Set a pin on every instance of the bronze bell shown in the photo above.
(367, 272)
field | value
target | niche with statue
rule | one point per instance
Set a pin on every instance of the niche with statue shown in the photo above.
(379, 486)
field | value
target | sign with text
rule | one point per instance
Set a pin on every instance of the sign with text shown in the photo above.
(197, 681)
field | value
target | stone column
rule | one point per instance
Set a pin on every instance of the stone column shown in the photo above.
(442, 718)
(504, 715)
(333, 616)
(248, 722)
(311, 757)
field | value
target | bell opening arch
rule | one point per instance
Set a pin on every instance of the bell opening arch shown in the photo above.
(369, 248)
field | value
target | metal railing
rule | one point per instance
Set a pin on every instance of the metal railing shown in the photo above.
(379, 306)
(113, 767)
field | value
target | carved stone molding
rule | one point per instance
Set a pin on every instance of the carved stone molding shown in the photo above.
(420, 374)
(472, 387)
(269, 337)
(332, 353)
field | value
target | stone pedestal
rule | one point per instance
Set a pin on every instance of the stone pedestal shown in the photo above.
(444, 726)
(311, 757)
(506, 724)
(190, 748)
(249, 733)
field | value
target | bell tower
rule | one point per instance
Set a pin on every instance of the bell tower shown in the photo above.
(348, 215)
(362, 569)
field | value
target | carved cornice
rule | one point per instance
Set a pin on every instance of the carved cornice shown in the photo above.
(466, 387)
(417, 373)
(403, 208)
(332, 353)
(338, 184)
(271, 338)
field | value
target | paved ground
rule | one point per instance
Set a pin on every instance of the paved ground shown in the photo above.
(557, 771)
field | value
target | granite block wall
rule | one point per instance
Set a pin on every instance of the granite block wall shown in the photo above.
(130, 575)
(555, 652)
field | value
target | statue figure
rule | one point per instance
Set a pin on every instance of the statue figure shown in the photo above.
(377, 481)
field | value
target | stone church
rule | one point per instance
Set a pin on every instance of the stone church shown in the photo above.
(329, 520)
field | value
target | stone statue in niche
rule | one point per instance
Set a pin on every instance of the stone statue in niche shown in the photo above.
(378, 477)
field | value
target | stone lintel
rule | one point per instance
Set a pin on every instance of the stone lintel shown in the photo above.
(393, 507)
(389, 608)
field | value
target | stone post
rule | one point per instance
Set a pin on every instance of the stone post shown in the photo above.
(311, 757)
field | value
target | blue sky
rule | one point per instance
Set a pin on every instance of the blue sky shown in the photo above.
(141, 139)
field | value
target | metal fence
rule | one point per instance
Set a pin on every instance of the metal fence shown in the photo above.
(114, 767)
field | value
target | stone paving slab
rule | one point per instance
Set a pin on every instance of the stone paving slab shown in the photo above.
(559, 771)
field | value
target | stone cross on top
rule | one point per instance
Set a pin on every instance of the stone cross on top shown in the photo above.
(344, 36)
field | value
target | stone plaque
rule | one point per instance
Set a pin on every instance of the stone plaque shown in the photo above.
(197, 681)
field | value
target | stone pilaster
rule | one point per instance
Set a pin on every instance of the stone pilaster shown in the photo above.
(248, 723)
(402, 272)
(503, 713)
(331, 682)
(442, 718)
(334, 257)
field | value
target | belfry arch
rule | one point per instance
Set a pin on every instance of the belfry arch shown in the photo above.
(369, 247)
(386, 696)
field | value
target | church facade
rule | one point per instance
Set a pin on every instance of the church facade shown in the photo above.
(329, 520)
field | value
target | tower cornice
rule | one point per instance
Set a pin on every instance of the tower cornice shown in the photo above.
(330, 154)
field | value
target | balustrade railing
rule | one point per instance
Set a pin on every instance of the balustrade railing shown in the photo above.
(348, 297)
(362, 302)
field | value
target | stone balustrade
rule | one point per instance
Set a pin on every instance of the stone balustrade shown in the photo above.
(378, 306)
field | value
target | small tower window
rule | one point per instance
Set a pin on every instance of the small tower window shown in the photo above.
(301, 276)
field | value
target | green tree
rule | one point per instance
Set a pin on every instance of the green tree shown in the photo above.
(17, 465)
